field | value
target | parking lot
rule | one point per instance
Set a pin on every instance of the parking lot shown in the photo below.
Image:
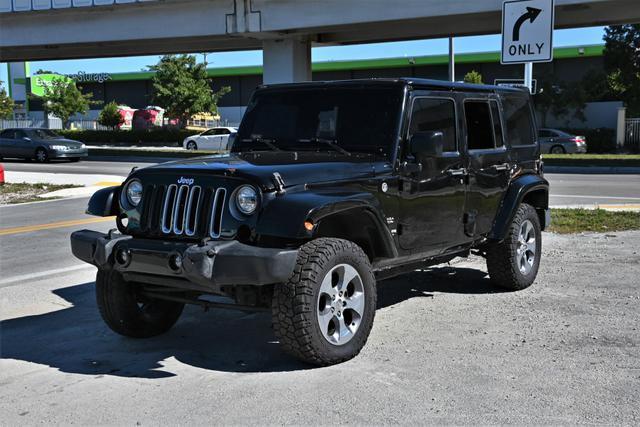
(446, 347)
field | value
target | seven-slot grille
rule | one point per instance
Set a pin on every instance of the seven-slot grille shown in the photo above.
(183, 210)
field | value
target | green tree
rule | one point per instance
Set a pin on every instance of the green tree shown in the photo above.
(182, 88)
(622, 63)
(559, 98)
(63, 98)
(110, 116)
(473, 77)
(6, 104)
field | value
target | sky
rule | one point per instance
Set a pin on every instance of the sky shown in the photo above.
(571, 37)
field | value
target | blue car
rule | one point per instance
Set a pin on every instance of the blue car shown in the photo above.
(41, 145)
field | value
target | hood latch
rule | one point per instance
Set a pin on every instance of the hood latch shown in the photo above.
(279, 182)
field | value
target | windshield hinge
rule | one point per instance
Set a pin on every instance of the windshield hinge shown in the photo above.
(279, 182)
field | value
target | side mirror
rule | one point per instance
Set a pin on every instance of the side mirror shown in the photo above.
(427, 144)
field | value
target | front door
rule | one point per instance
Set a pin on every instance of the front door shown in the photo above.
(432, 198)
(489, 162)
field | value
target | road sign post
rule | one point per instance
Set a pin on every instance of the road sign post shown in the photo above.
(527, 34)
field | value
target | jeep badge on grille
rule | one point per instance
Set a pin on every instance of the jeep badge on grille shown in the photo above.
(187, 181)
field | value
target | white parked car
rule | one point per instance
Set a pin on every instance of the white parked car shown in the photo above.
(212, 139)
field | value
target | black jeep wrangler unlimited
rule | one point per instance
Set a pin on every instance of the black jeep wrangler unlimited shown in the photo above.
(329, 187)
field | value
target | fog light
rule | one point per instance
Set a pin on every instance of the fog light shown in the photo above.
(175, 262)
(123, 257)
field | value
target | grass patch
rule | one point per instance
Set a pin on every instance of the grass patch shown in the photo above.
(12, 193)
(565, 221)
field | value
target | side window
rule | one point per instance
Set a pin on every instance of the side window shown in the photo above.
(518, 119)
(8, 134)
(545, 134)
(20, 134)
(224, 132)
(432, 114)
(497, 123)
(208, 133)
(479, 125)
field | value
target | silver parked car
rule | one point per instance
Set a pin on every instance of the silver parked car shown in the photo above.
(555, 141)
(39, 144)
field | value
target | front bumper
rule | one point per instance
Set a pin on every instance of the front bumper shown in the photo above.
(68, 154)
(205, 267)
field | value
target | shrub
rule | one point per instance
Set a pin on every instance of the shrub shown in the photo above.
(600, 140)
(151, 137)
(110, 116)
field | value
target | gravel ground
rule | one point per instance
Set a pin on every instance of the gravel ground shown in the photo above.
(446, 348)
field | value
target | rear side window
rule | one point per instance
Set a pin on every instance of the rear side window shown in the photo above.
(433, 114)
(479, 125)
(497, 123)
(518, 119)
(7, 134)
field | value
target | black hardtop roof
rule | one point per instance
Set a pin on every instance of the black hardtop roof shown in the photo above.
(400, 82)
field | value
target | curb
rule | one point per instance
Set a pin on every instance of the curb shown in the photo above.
(591, 169)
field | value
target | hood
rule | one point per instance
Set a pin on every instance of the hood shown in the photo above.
(295, 168)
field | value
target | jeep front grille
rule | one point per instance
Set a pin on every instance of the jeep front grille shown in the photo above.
(182, 210)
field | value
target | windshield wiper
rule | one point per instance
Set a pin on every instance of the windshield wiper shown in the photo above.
(269, 142)
(329, 142)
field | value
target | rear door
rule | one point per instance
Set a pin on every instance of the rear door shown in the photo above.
(489, 161)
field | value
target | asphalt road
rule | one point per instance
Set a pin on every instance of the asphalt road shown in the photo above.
(446, 348)
(566, 189)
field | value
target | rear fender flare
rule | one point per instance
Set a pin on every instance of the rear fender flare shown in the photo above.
(516, 193)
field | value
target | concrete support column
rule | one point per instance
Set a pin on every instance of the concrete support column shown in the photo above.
(286, 61)
(621, 127)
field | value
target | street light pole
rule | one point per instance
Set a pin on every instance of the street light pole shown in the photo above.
(452, 60)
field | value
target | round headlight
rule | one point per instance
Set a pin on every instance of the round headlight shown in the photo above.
(247, 199)
(134, 192)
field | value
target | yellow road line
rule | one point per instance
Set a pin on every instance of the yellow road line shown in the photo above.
(620, 207)
(61, 224)
(108, 183)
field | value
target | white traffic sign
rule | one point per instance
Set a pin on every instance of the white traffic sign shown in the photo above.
(527, 31)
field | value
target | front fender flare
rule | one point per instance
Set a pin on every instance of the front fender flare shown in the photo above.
(517, 191)
(300, 207)
(104, 202)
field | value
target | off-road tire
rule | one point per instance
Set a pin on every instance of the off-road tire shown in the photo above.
(502, 257)
(295, 302)
(120, 309)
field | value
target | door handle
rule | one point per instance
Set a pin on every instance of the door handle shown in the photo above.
(502, 167)
(457, 172)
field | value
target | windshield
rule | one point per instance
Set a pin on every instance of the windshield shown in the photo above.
(347, 120)
(43, 134)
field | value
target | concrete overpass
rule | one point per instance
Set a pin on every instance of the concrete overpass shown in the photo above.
(284, 29)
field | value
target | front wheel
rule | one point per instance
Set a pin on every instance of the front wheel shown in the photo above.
(192, 145)
(41, 155)
(130, 314)
(324, 313)
(513, 263)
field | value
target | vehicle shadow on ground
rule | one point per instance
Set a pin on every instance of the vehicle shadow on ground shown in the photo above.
(75, 340)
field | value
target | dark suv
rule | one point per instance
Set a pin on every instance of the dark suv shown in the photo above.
(328, 188)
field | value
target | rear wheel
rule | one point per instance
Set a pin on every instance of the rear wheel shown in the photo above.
(558, 149)
(130, 314)
(41, 155)
(513, 263)
(191, 145)
(324, 313)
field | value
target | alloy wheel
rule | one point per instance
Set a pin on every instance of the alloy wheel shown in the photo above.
(526, 251)
(341, 303)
